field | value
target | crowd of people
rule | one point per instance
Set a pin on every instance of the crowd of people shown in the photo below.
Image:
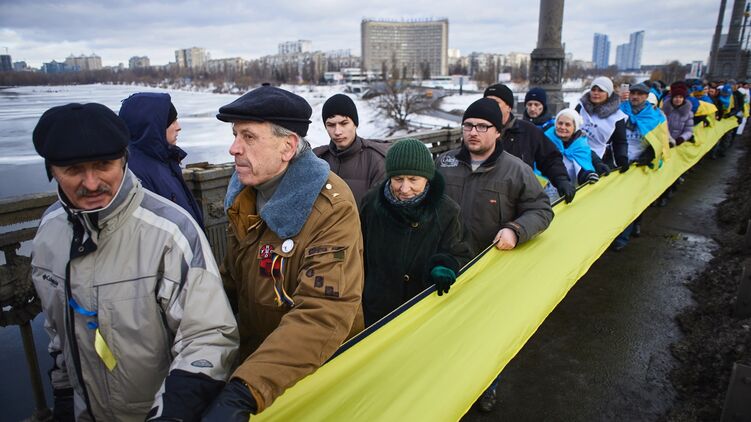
(320, 242)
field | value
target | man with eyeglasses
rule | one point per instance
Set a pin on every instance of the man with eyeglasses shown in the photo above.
(526, 141)
(502, 203)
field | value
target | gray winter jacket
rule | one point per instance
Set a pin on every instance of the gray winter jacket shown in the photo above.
(502, 192)
(680, 120)
(139, 272)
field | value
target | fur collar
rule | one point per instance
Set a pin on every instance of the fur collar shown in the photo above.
(288, 209)
(601, 110)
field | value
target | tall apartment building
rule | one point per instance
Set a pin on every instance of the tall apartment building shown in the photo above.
(6, 64)
(136, 62)
(628, 56)
(410, 47)
(295, 47)
(92, 62)
(601, 51)
(191, 58)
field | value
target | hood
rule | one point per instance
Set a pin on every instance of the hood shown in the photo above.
(146, 115)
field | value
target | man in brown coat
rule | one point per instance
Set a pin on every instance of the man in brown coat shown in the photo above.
(293, 267)
(360, 162)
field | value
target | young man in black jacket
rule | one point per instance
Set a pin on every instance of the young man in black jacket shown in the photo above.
(527, 142)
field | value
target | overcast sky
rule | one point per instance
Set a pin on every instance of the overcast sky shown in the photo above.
(40, 31)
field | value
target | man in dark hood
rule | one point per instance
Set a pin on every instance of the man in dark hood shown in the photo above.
(154, 156)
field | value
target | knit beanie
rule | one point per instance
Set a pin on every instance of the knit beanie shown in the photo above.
(501, 91)
(410, 157)
(172, 114)
(604, 83)
(485, 109)
(340, 105)
(678, 88)
(537, 94)
(571, 114)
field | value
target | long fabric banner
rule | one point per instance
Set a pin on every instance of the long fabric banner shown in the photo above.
(435, 358)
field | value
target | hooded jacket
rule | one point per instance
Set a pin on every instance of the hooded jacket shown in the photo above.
(528, 143)
(502, 193)
(402, 245)
(294, 272)
(154, 161)
(362, 165)
(139, 273)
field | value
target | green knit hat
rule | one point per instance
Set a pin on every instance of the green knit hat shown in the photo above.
(411, 157)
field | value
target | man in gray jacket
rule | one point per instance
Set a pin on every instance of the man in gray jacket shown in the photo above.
(140, 326)
(502, 203)
(360, 162)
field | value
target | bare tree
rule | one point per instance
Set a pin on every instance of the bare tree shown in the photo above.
(399, 100)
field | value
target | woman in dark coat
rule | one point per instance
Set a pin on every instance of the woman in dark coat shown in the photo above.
(411, 230)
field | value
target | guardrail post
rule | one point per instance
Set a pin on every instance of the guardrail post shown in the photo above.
(737, 404)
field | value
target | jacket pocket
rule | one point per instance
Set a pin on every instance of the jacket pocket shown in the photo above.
(135, 333)
(322, 272)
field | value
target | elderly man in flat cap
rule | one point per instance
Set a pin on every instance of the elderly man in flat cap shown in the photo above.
(140, 327)
(293, 268)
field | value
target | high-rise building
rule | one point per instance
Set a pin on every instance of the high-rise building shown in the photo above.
(628, 56)
(411, 48)
(295, 47)
(636, 40)
(601, 51)
(137, 62)
(82, 63)
(191, 58)
(6, 64)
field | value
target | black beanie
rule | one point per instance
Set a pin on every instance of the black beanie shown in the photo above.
(410, 157)
(501, 91)
(485, 109)
(76, 133)
(340, 105)
(172, 115)
(537, 94)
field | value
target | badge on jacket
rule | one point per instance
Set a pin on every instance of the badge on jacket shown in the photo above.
(265, 251)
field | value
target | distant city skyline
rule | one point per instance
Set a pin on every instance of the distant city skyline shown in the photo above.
(601, 51)
(44, 30)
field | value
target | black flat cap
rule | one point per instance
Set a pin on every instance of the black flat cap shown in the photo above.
(76, 133)
(270, 104)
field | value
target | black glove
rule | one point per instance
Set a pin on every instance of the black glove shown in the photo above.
(443, 278)
(624, 168)
(566, 190)
(679, 140)
(63, 405)
(234, 404)
(691, 140)
(739, 118)
(588, 176)
(602, 169)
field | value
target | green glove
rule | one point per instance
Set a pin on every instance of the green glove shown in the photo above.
(443, 278)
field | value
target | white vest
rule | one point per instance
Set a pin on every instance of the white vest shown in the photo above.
(599, 130)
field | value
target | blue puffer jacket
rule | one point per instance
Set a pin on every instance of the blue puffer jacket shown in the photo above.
(155, 162)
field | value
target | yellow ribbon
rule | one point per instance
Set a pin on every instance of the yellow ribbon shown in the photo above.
(104, 351)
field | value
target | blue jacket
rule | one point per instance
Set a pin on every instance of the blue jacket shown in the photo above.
(155, 162)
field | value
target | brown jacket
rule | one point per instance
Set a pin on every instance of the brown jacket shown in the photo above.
(362, 165)
(320, 269)
(502, 192)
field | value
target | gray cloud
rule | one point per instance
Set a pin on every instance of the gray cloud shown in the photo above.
(38, 31)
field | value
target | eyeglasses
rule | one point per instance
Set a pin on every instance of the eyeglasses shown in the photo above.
(467, 127)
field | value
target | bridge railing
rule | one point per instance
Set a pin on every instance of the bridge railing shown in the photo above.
(208, 184)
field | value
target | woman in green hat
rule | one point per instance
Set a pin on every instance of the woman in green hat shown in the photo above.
(412, 232)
